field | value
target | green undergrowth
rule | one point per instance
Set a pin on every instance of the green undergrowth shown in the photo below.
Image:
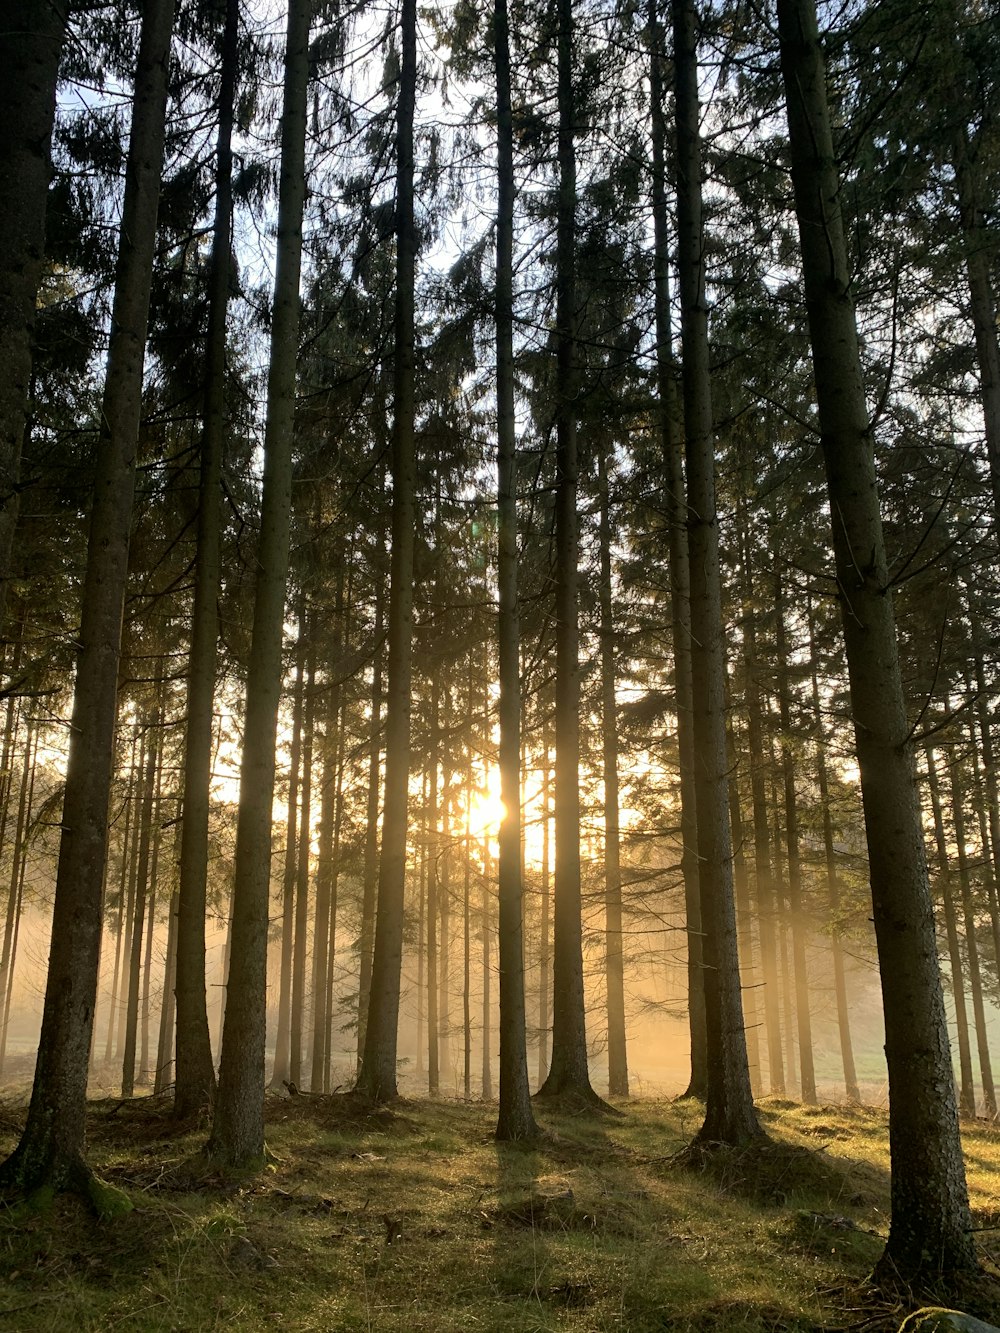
(415, 1219)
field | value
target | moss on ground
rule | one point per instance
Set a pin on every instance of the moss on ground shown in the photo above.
(413, 1218)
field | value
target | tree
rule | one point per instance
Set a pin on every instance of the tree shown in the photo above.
(195, 1072)
(29, 63)
(671, 449)
(377, 1076)
(516, 1120)
(237, 1135)
(729, 1111)
(50, 1152)
(568, 1073)
(930, 1226)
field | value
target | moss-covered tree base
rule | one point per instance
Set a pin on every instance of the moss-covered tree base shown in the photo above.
(35, 1185)
(574, 1099)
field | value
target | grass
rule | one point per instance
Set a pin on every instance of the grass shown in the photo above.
(415, 1219)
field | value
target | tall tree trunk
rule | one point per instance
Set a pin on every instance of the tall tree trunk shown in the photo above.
(165, 1040)
(322, 961)
(237, 1137)
(767, 920)
(304, 853)
(972, 945)
(807, 1071)
(156, 834)
(487, 1015)
(444, 906)
(50, 1150)
(744, 919)
(377, 1076)
(544, 945)
(675, 508)
(124, 880)
(195, 1081)
(967, 1088)
(729, 1112)
(282, 1071)
(34, 31)
(370, 872)
(467, 942)
(433, 844)
(142, 894)
(568, 1071)
(17, 853)
(832, 885)
(19, 857)
(614, 952)
(515, 1119)
(930, 1230)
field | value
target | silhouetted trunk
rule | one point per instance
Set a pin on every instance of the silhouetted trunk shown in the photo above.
(744, 919)
(568, 1072)
(729, 1110)
(515, 1119)
(377, 1076)
(303, 852)
(467, 942)
(51, 1148)
(29, 63)
(322, 960)
(370, 882)
(544, 944)
(142, 896)
(19, 856)
(237, 1137)
(156, 834)
(807, 1071)
(282, 1071)
(972, 946)
(614, 956)
(487, 929)
(930, 1230)
(763, 870)
(675, 508)
(967, 1089)
(832, 886)
(165, 1040)
(433, 841)
(195, 1081)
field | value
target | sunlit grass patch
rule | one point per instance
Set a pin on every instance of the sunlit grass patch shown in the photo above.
(415, 1219)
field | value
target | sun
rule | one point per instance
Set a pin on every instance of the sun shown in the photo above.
(486, 810)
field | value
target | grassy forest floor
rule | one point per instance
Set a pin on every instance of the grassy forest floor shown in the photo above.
(415, 1219)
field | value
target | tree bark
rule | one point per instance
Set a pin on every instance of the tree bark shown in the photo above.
(370, 872)
(34, 32)
(930, 1230)
(516, 1119)
(807, 1070)
(832, 885)
(568, 1072)
(50, 1150)
(967, 1088)
(195, 1081)
(729, 1111)
(614, 952)
(237, 1136)
(377, 1076)
(282, 1071)
(675, 507)
(972, 946)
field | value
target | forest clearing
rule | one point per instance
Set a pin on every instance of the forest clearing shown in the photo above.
(415, 1220)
